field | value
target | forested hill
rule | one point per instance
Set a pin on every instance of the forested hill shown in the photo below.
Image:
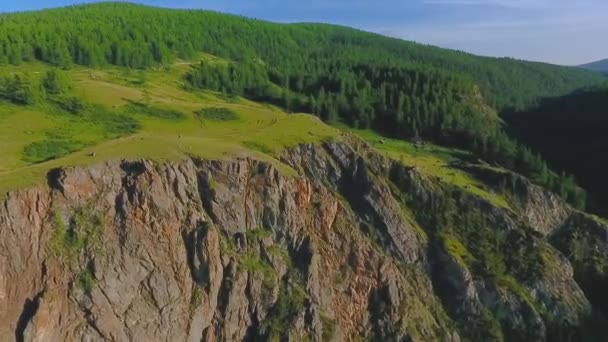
(139, 36)
(599, 66)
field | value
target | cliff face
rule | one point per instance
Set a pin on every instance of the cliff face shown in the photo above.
(355, 245)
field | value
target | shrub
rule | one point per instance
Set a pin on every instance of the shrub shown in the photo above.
(82, 234)
(217, 114)
(86, 280)
(290, 302)
(48, 149)
(155, 112)
(114, 124)
(55, 82)
(18, 89)
(71, 104)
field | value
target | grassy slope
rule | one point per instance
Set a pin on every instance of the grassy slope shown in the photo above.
(263, 127)
(261, 131)
(433, 161)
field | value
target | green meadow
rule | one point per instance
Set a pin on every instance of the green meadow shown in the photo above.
(140, 114)
(118, 113)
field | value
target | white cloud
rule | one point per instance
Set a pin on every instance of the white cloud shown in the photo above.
(558, 31)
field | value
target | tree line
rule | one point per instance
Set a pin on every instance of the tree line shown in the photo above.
(405, 103)
(139, 37)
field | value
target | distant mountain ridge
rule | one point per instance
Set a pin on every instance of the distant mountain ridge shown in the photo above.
(601, 66)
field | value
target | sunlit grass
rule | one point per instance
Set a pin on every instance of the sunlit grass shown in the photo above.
(256, 130)
(160, 138)
(433, 161)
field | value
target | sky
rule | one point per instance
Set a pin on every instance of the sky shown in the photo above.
(568, 32)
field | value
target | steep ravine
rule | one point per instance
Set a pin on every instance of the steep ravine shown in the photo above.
(356, 246)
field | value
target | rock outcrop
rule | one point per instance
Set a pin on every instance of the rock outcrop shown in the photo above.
(353, 245)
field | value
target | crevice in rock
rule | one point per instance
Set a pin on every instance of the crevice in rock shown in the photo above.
(192, 240)
(133, 168)
(55, 179)
(227, 284)
(355, 185)
(30, 308)
(252, 171)
(88, 315)
(252, 333)
(121, 218)
(188, 237)
(302, 257)
(379, 308)
(207, 195)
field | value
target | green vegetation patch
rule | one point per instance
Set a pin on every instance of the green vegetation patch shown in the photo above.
(83, 125)
(75, 242)
(81, 233)
(259, 268)
(329, 327)
(258, 234)
(70, 104)
(217, 114)
(433, 161)
(456, 249)
(115, 125)
(154, 112)
(258, 146)
(19, 89)
(48, 149)
(253, 263)
(196, 297)
(85, 280)
(291, 300)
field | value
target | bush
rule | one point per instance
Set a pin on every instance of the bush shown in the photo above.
(86, 280)
(291, 300)
(115, 125)
(82, 233)
(55, 82)
(71, 104)
(217, 114)
(18, 89)
(155, 112)
(51, 148)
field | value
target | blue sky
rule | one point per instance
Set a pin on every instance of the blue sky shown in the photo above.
(557, 31)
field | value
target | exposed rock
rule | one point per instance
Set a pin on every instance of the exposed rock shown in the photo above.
(235, 250)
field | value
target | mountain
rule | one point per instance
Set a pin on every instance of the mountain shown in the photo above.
(180, 175)
(398, 88)
(600, 66)
(572, 137)
(139, 36)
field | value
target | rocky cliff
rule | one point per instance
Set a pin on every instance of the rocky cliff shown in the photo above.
(351, 246)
